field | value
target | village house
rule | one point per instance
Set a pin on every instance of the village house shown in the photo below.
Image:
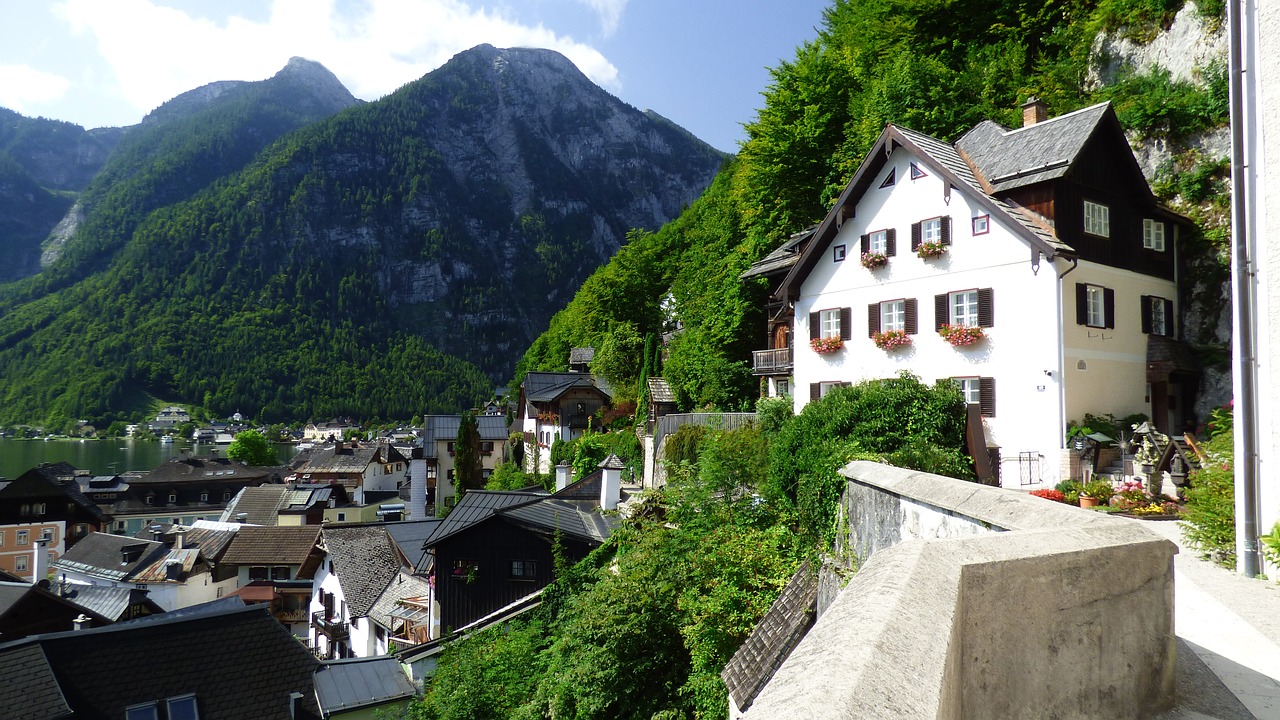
(43, 505)
(286, 504)
(1034, 267)
(439, 437)
(332, 431)
(371, 474)
(276, 566)
(181, 491)
(557, 405)
(170, 417)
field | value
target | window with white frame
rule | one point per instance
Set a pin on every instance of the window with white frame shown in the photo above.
(781, 388)
(1095, 306)
(24, 537)
(182, 708)
(20, 563)
(838, 253)
(878, 242)
(964, 308)
(1159, 323)
(1097, 219)
(982, 225)
(931, 230)
(971, 388)
(829, 323)
(826, 387)
(893, 315)
(1153, 235)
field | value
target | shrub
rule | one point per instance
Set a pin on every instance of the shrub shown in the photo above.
(1099, 489)
(1070, 490)
(1210, 511)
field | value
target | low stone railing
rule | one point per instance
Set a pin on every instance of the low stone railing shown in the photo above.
(977, 602)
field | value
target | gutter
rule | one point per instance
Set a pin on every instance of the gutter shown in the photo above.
(1062, 357)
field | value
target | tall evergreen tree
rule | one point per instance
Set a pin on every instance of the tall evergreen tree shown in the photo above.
(466, 454)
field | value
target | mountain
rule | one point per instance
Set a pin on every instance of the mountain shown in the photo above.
(389, 260)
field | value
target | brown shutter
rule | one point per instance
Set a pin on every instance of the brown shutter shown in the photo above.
(866, 244)
(941, 311)
(890, 242)
(1109, 306)
(815, 391)
(846, 323)
(915, 236)
(912, 319)
(986, 308)
(873, 319)
(815, 330)
(987, 396)
(1146, 313)
(1168, 317)
(1082, 304)
(946, 230)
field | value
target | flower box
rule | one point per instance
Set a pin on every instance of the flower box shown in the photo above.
(891, 339)
(873, 260)
(824, 346)
(961, 335)
(933, 249)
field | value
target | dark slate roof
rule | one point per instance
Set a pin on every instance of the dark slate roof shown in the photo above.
(347, 458)
(410, 535)
(547, 386)
(579, 519)
(109, 602)
(190, 469)
(239, 663)
(345, 685)
(475, 506)
(782, 258)
(11, 593)
(261, 504)
(773, 639)
(99, 554)
(582, 355)
(1166, 354)
(660, 391)
(42, 482)
(30, 690)
(285, 544)
(1011, 159)
(365, 561)
(437, 428)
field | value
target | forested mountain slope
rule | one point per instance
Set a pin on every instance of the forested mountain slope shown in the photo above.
(376, 263)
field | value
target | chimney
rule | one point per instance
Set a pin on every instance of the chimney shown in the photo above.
(417, 485)
(295, 705)
(178, 532)
(81, 622)
(564, 475)
(1033, 111)
(610, 482)
(40, 568)
(157, 533)
(242, 518)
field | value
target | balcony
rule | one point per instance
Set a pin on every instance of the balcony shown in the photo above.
(332, 629)
(771, 362)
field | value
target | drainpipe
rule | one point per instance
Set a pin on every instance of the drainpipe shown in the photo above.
(1062, 361)
(1244, 139)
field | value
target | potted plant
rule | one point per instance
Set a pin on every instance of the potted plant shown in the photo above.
(1096, 492)
(873, 260)
(891, 339)
(931, 249)
(961, 335)
(824, 346)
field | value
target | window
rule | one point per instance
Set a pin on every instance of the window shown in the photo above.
(486, 446)
(463, 568)
(20, 563)
(892, 315)
(173, 498)
(891, 178)
(1095, 306)
(2, 534)
(449, 447)
(258, 572)
(204, 497)
(972, 308)
(341, 518)
(883, 242)
(838, 253)
(819, 390)
(830, 323)
(917, 173)
(448, 475)
(151, 499)
(1153, 235)
(933, 230)
(1097, 219)
(982, 225)
(970, 389)
(24, 509)
(280, 572)
(183, 708)
(142, 712)
(226, 496)
(24, 537)
(40, 509)
(524, 570)
(1157, 316)
(980, 391)
(781, 388)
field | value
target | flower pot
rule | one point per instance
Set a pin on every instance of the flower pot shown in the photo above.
(1088, 502)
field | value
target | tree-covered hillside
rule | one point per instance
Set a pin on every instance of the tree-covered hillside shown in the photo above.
(929, 66)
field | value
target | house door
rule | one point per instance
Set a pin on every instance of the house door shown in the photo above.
(1160, 406)
(781, 337)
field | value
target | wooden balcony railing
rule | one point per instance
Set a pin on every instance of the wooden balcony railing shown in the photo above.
(769, 362)
(332, 629)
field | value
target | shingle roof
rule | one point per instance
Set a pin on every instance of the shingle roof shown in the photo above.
(410, 535)
(287, 545)
(99, 554)
(105, 600)
(547, 386)
(261, 504)
(1010, 159)
(239, 663)
(365, 561)
(660, 391)
(212, 543)
(475, 506)
(402, 586)
(773, 639)
(345, 685)
(184, 470)
(582, 355)
(782, 257)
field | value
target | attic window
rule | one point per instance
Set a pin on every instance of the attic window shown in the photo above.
(183, 707)
(838, 253)
(1097, 219)
(891, 178)
(142, 712)
(982, 225)
(917, 173)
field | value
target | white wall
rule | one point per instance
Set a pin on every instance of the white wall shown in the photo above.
(1018, 350)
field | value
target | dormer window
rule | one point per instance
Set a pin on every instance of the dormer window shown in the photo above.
(1153, 235)
(151, 499)
(204, 496)
(173, 498)
(1097, 219)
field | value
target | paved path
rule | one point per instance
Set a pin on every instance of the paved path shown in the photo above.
(1228, 630)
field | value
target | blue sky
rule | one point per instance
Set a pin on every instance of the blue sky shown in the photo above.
(701, 63)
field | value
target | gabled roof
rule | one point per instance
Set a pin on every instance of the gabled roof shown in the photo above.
(365, 561)
(402, 586)
(573, 511)
(105, 600)
(261, 504)
(437, 428)
(45, 481)
(284, 545)
(548, 386)
(475, 506)
(346, 685)
(212, 543)
(409, 536)
(773, 639)
(660, 391)
(99, 554)
(782, 258)
(192, 469)
(1011, 159)
(239, 663)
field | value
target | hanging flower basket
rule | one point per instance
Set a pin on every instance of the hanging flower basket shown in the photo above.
(933, 249)
(824, 346)
(873, 260)
(892, 339)
(961, 335)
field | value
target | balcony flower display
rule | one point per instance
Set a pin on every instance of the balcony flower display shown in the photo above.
(961, 335)
(931, 249)
(891, 339)
(824, 346)
(873, 260)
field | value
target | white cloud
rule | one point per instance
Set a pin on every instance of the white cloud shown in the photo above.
(22, 87)
(610, 12)
(374, 46)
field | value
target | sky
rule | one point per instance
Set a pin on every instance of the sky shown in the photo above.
(96, 63)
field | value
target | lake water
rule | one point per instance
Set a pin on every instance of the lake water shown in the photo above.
(103, 457)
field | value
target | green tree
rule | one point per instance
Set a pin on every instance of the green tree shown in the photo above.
(466, 454)
(252, 448)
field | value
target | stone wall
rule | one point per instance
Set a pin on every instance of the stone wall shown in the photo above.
(979, 602)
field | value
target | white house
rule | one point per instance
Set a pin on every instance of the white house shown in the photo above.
(557, 405)
(1033, 266)
(175, 577)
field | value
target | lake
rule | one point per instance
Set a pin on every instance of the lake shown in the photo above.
(104, 457)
